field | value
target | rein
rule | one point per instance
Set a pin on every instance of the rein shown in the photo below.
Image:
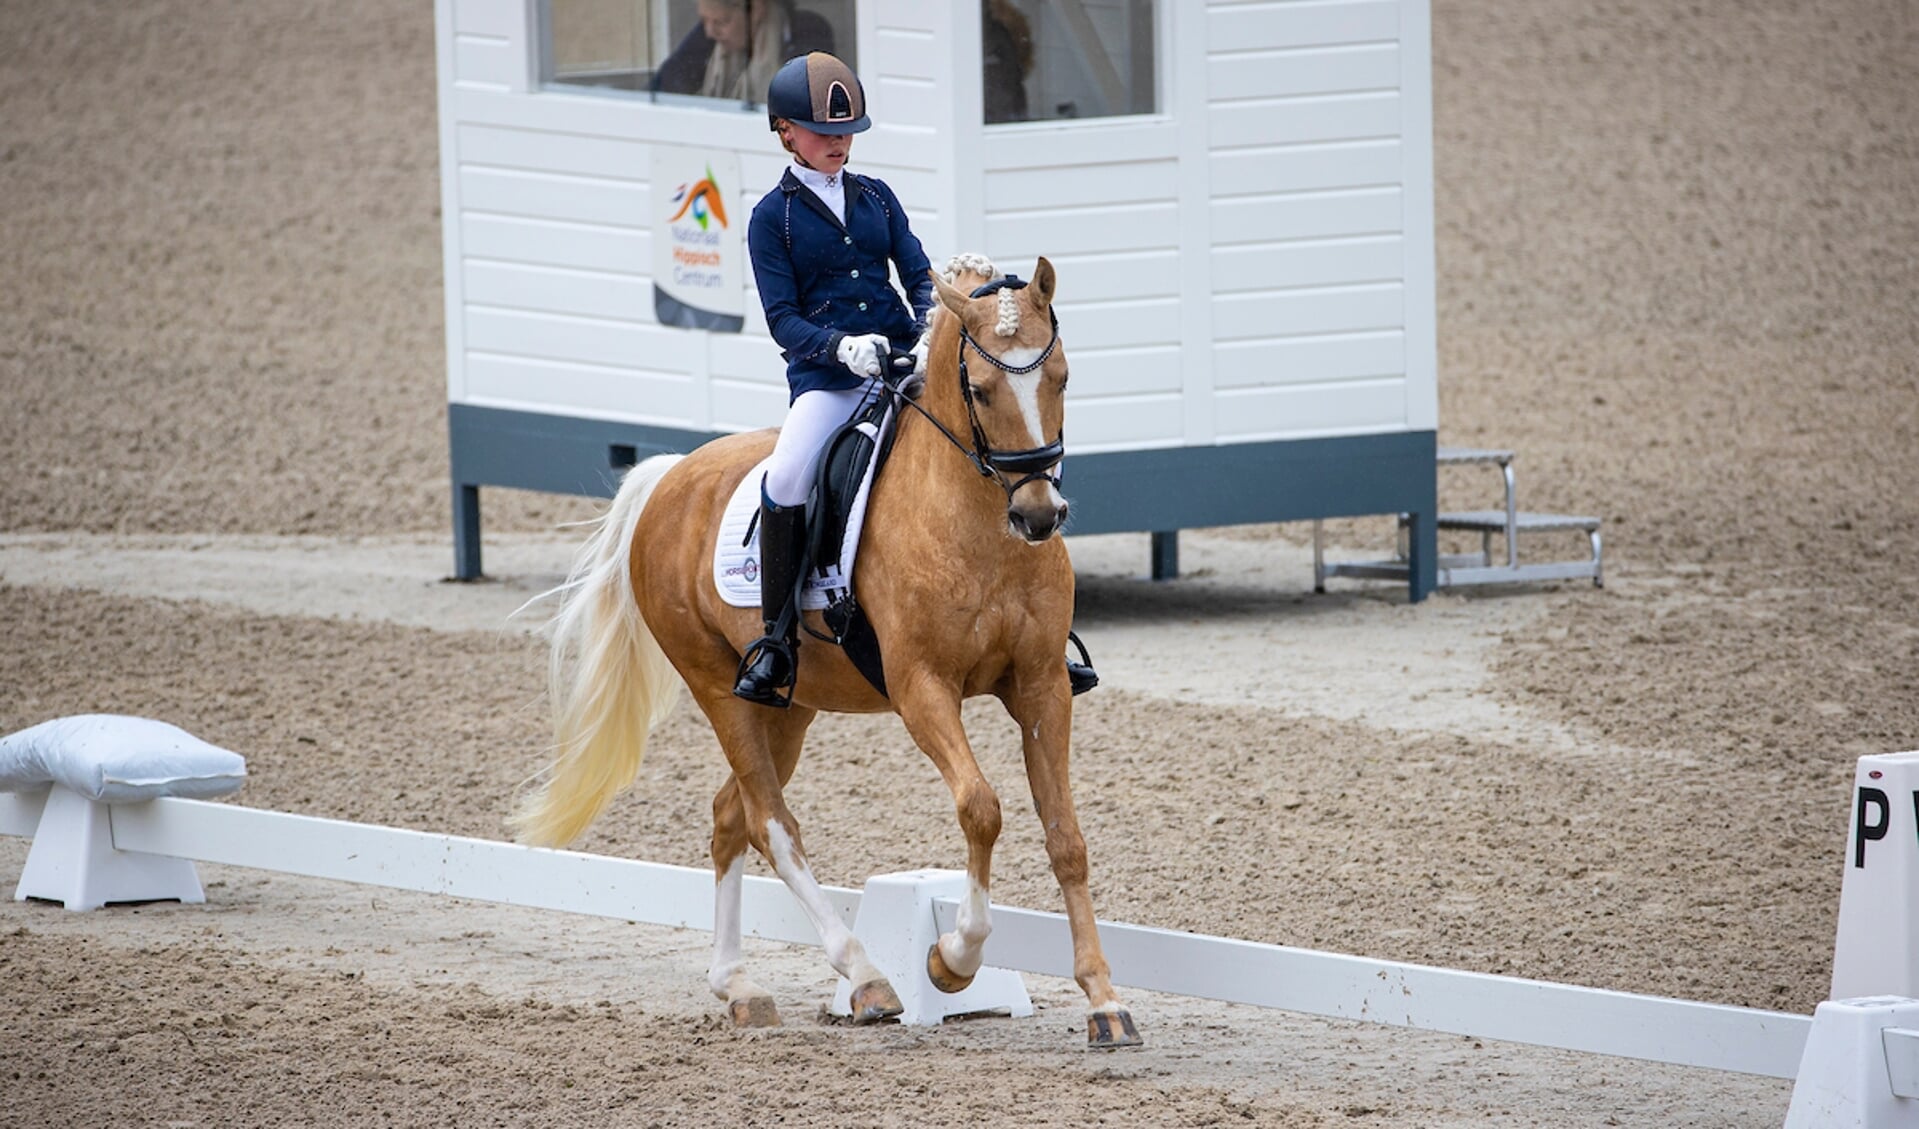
(1031, 464)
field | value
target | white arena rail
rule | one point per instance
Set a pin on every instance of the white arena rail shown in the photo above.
(1686, 1033)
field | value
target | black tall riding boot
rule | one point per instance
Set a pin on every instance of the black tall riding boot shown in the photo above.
(771, 661)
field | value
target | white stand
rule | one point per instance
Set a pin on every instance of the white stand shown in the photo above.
(897, 927)
(73, 861)
(1861, 1067)
(1877, 952)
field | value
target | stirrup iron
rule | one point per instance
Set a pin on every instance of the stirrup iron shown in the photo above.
(1081, 673)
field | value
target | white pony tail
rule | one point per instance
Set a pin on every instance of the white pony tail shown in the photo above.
(608, 679)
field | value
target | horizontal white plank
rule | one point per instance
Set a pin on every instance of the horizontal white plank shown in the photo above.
(1331, 70)
(1120, 372)
(603, 113)
(909, 146)
(1306, 360)
(1124, 421)
(1537, 1013)
(1015, 236)
(1305, 168)
(623, 250)
(480, 869)
(531, 150)
(1319, 262)
(596, 341)
(546, 196)
(1253, 27)
(1308, 215)
(505, 18)
(668, 399)
(1062, 144)
(741, 405)
(1095, 278)
(1145, 321)
(489, 61)
(906, 15)
(581, 293)
(746, 357)
(1294, 120)
(906, 99)
(1308, 410)
(1117, 182)
(1339, 310)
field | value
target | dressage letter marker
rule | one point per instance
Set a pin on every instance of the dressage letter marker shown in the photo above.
(1877, 953)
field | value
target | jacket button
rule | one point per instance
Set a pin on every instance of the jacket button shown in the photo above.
(846, 239)
(862, 305)
(856, 272)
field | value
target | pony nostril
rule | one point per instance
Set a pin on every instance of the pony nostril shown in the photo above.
(1033, 530)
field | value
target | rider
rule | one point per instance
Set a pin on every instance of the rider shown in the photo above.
(820, 244)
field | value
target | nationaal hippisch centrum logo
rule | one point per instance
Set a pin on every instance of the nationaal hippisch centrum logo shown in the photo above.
(702, 199)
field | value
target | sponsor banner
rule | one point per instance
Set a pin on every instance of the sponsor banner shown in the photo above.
(699, 255)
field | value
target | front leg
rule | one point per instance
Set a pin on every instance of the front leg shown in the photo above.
(1042, 703)
(931, 712)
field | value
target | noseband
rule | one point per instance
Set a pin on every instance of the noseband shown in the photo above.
(1033, 464)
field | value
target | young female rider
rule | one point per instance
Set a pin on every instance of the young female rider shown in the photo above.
(820, 244)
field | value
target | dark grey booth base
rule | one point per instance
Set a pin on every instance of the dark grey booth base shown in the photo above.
(1158, 492)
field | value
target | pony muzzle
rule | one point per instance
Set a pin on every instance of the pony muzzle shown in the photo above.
(1035, 509)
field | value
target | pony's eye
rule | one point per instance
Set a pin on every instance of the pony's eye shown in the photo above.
(981, 396)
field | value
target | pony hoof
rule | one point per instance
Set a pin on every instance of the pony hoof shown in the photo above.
(1110, 1030)
(874, 1001)
(944, 978)
(754, 1011)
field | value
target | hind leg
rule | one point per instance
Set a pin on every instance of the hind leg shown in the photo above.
(747, 1003)
(763, 748)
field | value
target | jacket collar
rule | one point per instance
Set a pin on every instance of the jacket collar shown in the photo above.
(790, 184)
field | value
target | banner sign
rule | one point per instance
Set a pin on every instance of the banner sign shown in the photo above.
(699, 255)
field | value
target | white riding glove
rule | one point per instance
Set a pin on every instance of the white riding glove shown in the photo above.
(914, 383)
(919, 353)
(863, 355)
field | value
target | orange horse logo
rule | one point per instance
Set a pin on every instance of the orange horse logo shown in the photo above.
(702, 199)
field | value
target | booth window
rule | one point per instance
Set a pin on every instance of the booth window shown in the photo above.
(720, 52)
(1051, 59)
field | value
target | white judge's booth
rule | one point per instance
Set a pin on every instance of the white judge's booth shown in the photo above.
(1237, 196)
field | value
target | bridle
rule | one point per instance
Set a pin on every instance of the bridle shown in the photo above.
(1034, 464)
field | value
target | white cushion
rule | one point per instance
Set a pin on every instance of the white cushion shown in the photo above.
(118, 759)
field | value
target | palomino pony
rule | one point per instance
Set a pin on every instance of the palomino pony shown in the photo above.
(967, 585)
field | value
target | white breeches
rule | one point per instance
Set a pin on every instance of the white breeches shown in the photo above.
(809, 423)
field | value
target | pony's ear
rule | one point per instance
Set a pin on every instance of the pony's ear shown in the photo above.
(1043, 282)
(950, 295)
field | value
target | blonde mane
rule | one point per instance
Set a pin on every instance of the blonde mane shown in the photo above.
(971, 270)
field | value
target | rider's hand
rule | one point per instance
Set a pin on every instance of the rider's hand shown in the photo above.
(863, 355)
(919, 353)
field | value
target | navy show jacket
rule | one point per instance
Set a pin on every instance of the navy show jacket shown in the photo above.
(822, 278)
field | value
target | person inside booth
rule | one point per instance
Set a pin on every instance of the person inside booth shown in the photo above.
(736, 46)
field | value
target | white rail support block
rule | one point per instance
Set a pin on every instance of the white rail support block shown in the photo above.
(896, 924)
(1860, 1067)
(1877, 952)
(73, 860)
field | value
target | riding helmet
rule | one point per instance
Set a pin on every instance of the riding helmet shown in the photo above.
(818, 92)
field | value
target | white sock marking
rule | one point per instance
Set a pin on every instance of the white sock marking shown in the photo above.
(843, 950)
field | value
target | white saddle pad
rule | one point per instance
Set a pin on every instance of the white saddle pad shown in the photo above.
(736, 559)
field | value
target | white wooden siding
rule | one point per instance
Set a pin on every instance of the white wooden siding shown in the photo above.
(1253, 262)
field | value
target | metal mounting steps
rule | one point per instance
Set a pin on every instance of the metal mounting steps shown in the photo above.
(1480, 567)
